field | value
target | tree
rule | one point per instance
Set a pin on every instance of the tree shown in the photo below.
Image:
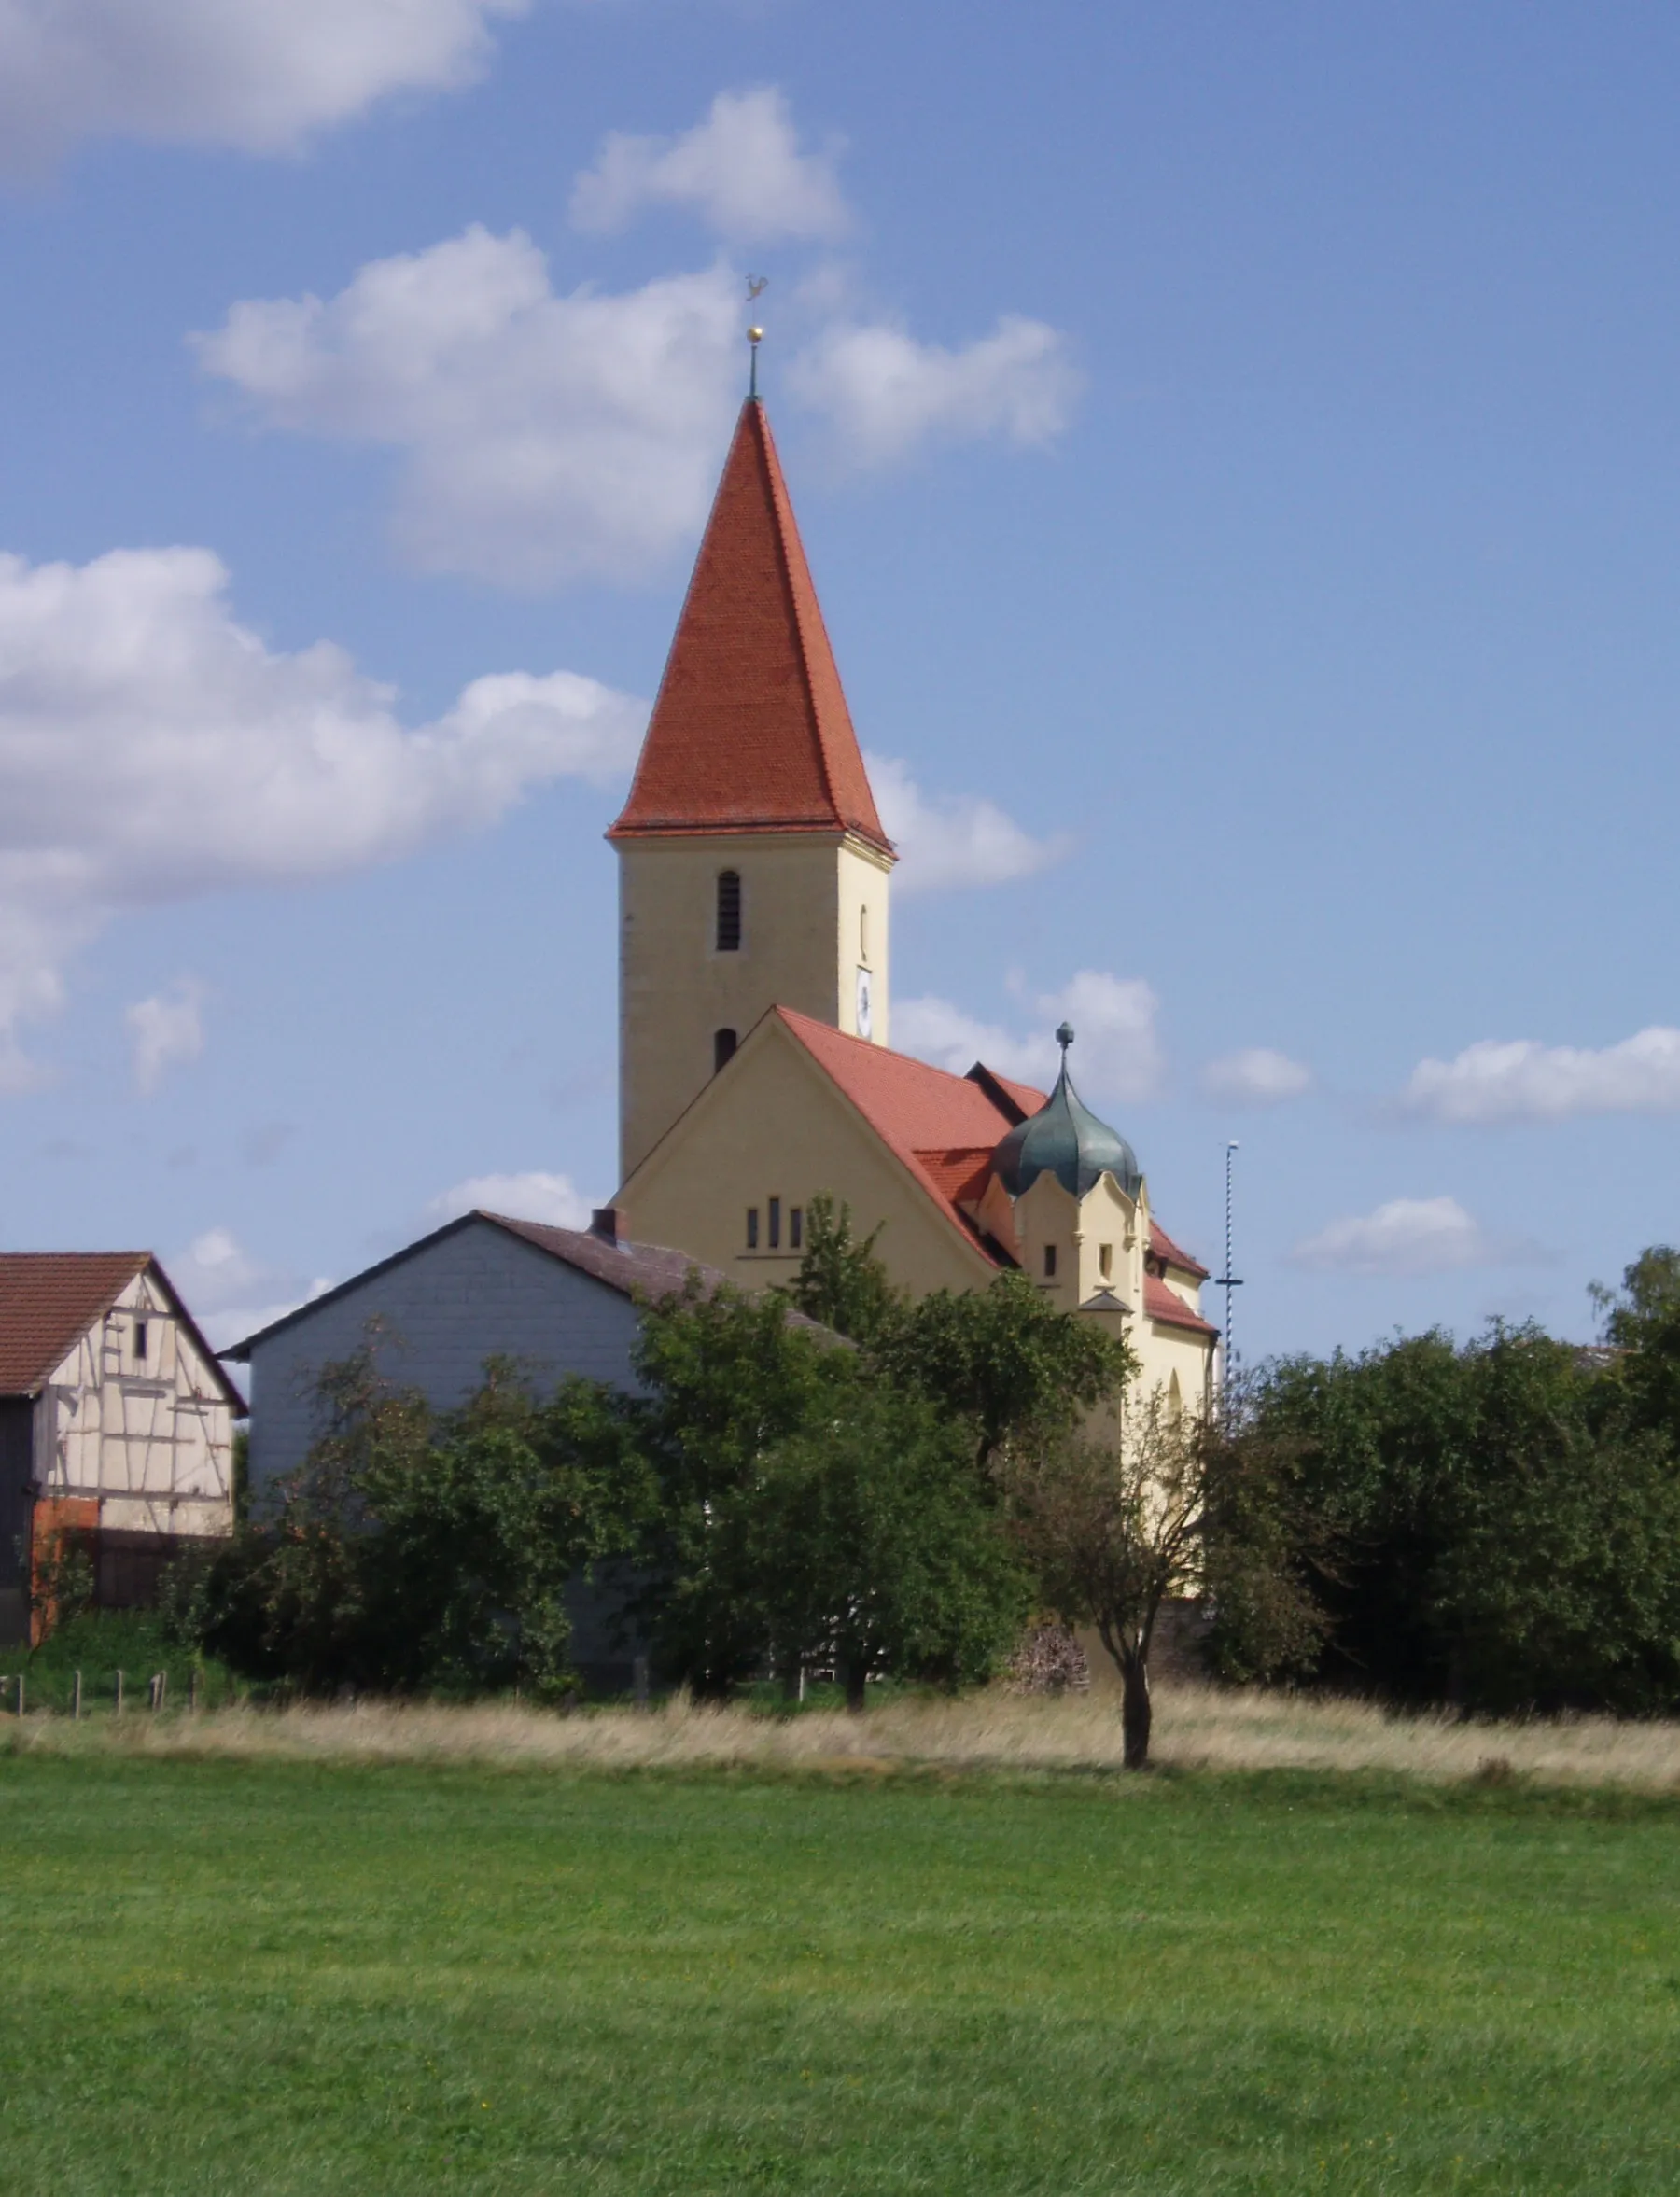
(1264, 1545)
(728, 1378)
(812, 1508)
(1111, 1529)
(879, 1546)
(1642, 1324)
(1002, 1359)
(843, 1282)
(416, 1550)
(1503, 1522)
(1007, 1360)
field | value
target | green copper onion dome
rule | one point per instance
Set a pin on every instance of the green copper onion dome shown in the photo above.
(1065, 1138)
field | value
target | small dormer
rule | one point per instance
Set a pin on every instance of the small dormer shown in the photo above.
(1067, 1194)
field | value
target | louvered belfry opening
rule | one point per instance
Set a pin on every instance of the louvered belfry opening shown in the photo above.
(729, 912)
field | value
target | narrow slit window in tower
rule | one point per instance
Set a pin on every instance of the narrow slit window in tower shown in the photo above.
(752, 1228)
(796, 1227)
(863, 935)
(729, 911)
(1049, 1261)
(1105, 1260)
(776, 1224)
(723, 1046)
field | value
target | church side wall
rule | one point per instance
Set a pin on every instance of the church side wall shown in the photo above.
(477, 1293)
(775, 1127)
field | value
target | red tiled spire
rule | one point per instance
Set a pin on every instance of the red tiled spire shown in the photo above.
(750, 731)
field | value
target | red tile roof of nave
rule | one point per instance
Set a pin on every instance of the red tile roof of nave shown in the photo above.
(49, 1299)
(750, 731)
(941, 1126)
(960, 1172)
(1162, 1304)
(1164, 1247)
(946, 1128)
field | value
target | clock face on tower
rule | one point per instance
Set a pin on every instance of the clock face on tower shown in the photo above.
(865, 1016)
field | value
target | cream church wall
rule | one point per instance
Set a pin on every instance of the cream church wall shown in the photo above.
(773, 1125)
(802, 895)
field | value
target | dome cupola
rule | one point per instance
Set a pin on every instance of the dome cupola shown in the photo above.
(1065, 1138)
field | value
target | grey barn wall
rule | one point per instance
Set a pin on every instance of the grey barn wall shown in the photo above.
(476, 1294)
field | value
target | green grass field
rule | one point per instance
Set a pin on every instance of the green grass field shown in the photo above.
(280, 1977)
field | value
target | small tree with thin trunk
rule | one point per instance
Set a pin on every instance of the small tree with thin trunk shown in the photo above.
(1113, 1528)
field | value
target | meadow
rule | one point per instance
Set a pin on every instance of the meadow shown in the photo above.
(379, 1951)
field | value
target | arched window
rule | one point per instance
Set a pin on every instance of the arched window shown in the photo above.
(729, 911)
(723, 1046)
(864, 934)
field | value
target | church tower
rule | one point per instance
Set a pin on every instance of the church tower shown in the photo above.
(753, 870)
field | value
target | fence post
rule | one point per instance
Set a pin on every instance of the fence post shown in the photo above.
(20, 1693)
(75, 1700)
(638, 1679)
(119, 1693)
(192, 1682)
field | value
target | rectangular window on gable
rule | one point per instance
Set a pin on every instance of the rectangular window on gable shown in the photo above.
(752, 1228)
(140, 1341)
(1049, 1261)
(1105, 1260)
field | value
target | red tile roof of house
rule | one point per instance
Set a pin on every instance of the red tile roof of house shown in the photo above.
(750, 731)
(1164, 1247)
(1165, 1305)
(49, 1299)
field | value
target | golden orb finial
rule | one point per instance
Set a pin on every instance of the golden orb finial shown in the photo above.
(755, 335)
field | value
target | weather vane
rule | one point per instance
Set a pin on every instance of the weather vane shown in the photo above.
(756, 287)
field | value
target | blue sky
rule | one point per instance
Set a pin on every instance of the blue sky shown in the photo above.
(1237, 453)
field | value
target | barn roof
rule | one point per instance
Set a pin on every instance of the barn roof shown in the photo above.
(628, 1268)
(49, 1299)
(750, 731)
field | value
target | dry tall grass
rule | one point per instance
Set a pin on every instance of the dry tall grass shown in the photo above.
(1196, 1728)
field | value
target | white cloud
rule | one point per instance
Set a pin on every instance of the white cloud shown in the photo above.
(259, 75)
(1409, 1236)
(231, 1294)
(886, 392)
(544, 438)
(950, 840)
(1118, 1048)
(1116, 1052)
(535, 1197)
(741, 170)
(152, 749)
(541, 437)
(1524, 1081)
(935, 1030)
(1255, 1077)
(167, 1027)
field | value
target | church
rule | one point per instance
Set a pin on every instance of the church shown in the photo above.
(755, 1008)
